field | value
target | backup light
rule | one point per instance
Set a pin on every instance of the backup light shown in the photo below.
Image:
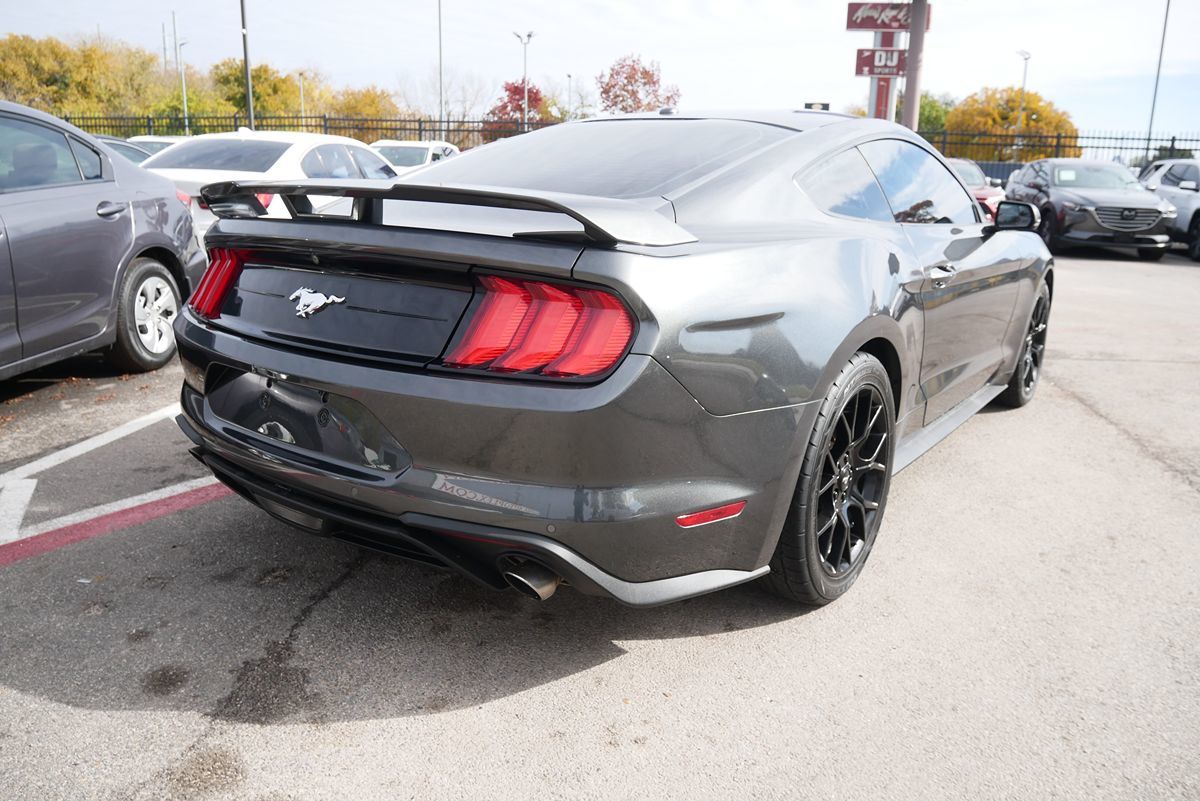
(224, 266)
(539, 328)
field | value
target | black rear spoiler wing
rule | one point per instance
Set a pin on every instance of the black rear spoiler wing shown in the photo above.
(605, 221)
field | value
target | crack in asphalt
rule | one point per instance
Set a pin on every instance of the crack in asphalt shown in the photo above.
(265, 690)
(1145, 448)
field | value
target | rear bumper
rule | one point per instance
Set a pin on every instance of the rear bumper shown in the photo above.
(590, 479)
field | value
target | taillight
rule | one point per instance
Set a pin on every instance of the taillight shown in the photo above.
(539, 328)
(224, 265)
(184, 198)
(264, 198)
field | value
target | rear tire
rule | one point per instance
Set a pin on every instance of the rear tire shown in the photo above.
(1024, 381)
(839, 500)
(147, 307)
(1151, 254)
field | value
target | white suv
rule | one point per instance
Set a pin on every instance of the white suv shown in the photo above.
(1178, 180)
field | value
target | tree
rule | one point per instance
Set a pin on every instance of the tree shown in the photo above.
(275, 93)
(504, 118)
(629, 85)
(932, 116)
(987, 127)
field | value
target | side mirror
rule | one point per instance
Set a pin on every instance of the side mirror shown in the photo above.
(995, 182)
(1152, 187)
(1013, 215)
(1189, 186)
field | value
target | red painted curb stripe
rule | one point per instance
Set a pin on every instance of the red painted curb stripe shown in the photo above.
(53, 540)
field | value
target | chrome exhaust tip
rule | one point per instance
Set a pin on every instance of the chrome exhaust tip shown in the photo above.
(532, 580)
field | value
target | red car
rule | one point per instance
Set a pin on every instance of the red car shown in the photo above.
(986, 190)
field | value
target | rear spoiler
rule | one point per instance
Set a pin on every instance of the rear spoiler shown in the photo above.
(605, 221)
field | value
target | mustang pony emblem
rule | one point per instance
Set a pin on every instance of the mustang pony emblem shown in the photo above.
(312, 302)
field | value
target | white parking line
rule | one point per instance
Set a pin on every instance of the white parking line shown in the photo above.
(116, 506)
(79, 448)
(14, 500)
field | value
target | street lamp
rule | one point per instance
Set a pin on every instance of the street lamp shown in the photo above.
(441, 82)
(1157, 72)
(1024, 74)
(300, 74)
(569, 105)
(524, 40)
(179, 43)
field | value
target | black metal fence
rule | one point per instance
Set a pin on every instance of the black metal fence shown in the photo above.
(463, 133)
(998, 154)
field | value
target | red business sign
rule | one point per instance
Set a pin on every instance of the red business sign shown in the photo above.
(888, 61)
(881, 17)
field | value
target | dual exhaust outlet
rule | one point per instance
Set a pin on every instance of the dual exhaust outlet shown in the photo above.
(531, 579)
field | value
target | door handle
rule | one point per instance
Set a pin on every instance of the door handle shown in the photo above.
(107, 208)
(941, 273)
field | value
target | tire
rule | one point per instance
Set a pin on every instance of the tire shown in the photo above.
(1151, 254)
(1023, 384)
(145, 339)
(840, 497)
(1193, 239)
(1046, 230)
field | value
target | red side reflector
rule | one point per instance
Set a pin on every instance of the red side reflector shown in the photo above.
(552, 330)
(725, 512)
(224, 266)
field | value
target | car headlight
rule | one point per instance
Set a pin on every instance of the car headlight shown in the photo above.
(1170, 211)
(1069, 206)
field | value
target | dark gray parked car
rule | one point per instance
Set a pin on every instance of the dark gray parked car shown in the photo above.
(97, 253)
(649, 356)
(1094, 203)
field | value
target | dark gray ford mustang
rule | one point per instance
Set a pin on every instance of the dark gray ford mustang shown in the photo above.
(648, 356)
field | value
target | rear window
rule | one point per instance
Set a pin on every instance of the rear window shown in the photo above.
(404, 156)
(610, 158)
(220, 154)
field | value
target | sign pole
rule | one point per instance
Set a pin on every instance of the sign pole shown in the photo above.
(912, 77)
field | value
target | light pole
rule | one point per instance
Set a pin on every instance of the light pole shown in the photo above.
(1024, 75)
(524, 76)
(179, 43)
(569, 103)
(302, 114)
(916, 49)
(246, 69)
(1157, 72)
(441, 82)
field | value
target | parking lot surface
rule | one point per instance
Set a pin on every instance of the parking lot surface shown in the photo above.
(1027, 627)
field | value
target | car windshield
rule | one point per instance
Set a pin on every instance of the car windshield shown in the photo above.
(1094, 176)
(241, 155)
(610, 158)
(404, 155)
(970, 174)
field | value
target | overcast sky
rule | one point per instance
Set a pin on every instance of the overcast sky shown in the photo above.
(1093, 58)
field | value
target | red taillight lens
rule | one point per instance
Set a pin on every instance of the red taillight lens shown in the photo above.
(184, 198)
(264, 198)
(725, 512)
(224, 265)
(546, 329)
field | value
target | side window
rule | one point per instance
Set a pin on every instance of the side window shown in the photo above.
(33, 155)
(1192, 173)
(89, 161)
(845, 185)
(1173, 176)
(329, 161)
(918, 187)
(372, 166)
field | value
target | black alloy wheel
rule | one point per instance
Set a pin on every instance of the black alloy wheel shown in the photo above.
(838, 505)
(1025, 379)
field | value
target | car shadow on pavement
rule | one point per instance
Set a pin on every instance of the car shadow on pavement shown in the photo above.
(80, 368)
(222, 611)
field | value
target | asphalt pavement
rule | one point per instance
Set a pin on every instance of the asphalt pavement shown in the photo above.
(1026, 628)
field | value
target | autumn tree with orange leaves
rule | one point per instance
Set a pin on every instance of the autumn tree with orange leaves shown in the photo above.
(630, 85)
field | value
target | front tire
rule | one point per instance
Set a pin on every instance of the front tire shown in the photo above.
(1193, 239)
(1047, 229)
(839, 500)
(1025, 379)
(147, 307)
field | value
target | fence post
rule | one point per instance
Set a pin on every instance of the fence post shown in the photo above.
(149, 125)
(325, 123)
(943, 143)
(421, 128)
(1057, 144)
(1171, 152)
(235, 120)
